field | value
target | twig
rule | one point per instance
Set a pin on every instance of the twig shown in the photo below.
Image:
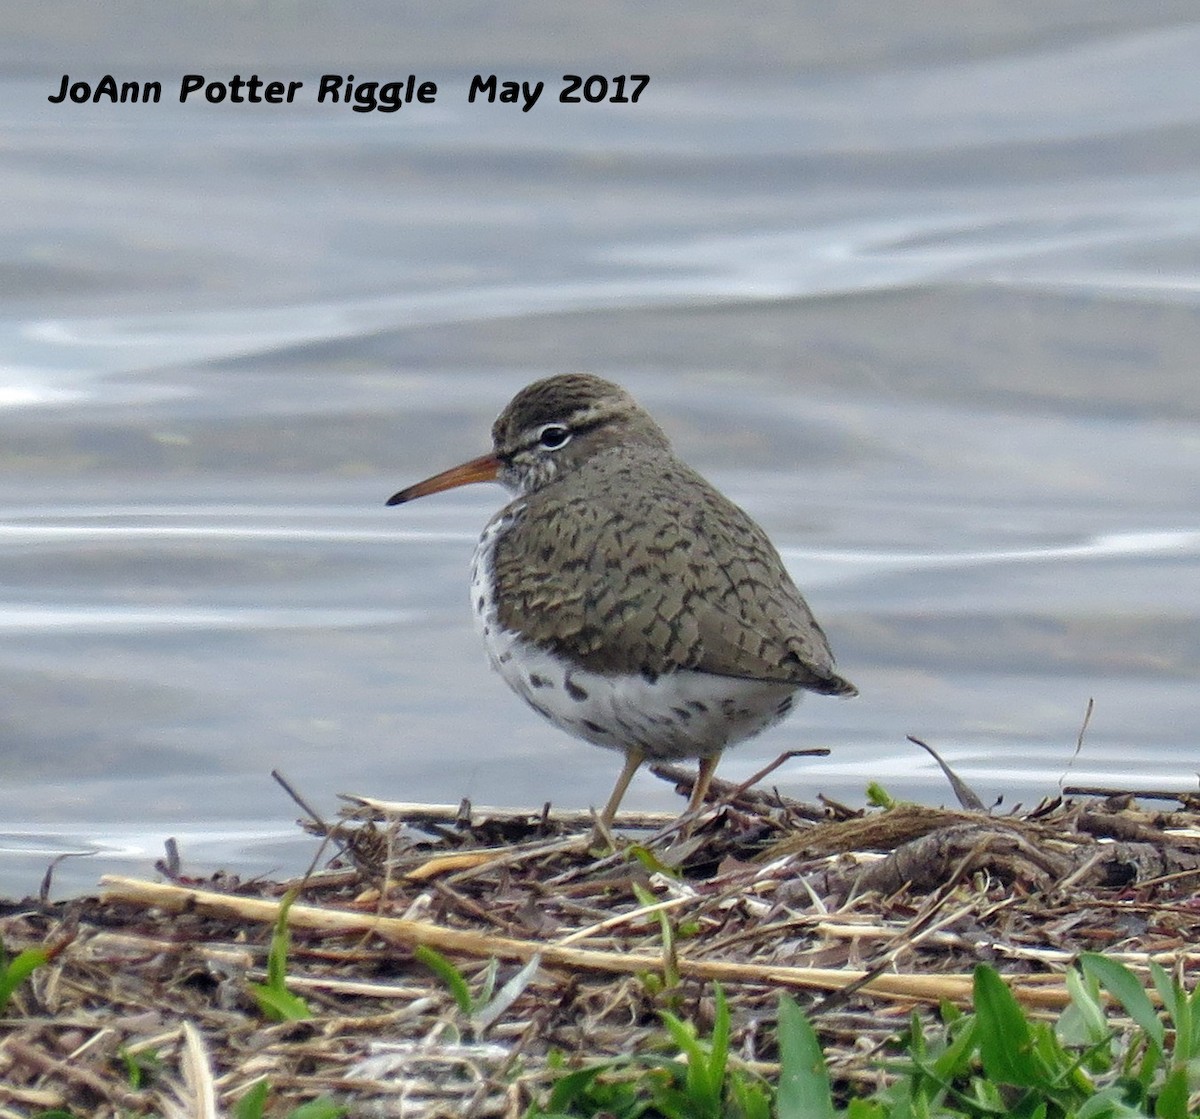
(417, 813)
(1145, 794)
(1087, 718)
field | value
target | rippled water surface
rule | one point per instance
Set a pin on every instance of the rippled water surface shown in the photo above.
(929, 314)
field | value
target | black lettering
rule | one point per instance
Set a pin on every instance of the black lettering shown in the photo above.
(392, 95)
(106, 87)
(531, 94)
(568, 95)
(330, 84)
(480, 84)
(364, 97)
(596, 88)
(140, 91)
(61, 96)
(189, 85)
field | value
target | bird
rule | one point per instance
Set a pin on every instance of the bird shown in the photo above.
(621, 595)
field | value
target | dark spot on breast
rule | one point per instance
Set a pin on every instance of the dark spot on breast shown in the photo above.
(682, 713)
(577, 693)
(595, 728)
(536, 681)
(698, 707)
(785, 705)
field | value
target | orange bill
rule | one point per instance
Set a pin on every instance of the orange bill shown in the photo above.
(485, 468)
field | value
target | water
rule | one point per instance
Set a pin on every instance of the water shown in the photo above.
(920, 294)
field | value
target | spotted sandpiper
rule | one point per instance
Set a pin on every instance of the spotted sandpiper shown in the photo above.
(623, 597)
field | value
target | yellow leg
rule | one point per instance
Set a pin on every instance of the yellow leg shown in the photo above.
(704, 776)
(633, 759)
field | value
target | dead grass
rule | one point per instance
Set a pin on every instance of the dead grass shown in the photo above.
(868, 914)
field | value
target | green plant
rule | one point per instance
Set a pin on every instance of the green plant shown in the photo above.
(878, 796)
(699, 1084)
(997, 1061)
(482, 1009)
(456, 982)
(1000, 1061)
(14, 971)
(253, 1103)
(141, 1067)
(273, 997)
(1154, 1066)
(670, 972)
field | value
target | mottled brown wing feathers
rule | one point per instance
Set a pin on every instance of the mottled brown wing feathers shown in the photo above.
(643, 567)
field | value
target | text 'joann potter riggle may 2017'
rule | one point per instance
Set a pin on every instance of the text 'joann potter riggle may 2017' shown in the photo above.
(345, 89)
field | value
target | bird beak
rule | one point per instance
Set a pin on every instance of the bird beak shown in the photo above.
(486, 468)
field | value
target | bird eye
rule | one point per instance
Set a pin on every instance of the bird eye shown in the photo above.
(553, 436)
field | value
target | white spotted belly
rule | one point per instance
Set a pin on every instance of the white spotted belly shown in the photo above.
(683, 714)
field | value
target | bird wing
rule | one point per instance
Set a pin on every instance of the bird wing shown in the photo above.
(631, 573)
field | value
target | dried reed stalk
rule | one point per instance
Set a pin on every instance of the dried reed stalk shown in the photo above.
(1051, 993)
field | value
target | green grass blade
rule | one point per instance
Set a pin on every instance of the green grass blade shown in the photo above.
(803, 1078)
(1186, 1033)
(915, 1041)
(281, 942)
(253, 1101)
(956, 1060)
(751, 1097)
(1083, 1022)
(279, 1004)
(1127, 989)
(670, 967)
(1165, 988)
(699, 1083)
(1005, 1041)
(869, 1109)
(1186, 1049)
(1172, 1102)
(567, 1089)
(652, 863)
(17, 970)
(273, 997)
(448, 974)
(321, 1108)
(718, 1056)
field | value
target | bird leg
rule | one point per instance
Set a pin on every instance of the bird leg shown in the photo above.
(704, 776)
(633, 759)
